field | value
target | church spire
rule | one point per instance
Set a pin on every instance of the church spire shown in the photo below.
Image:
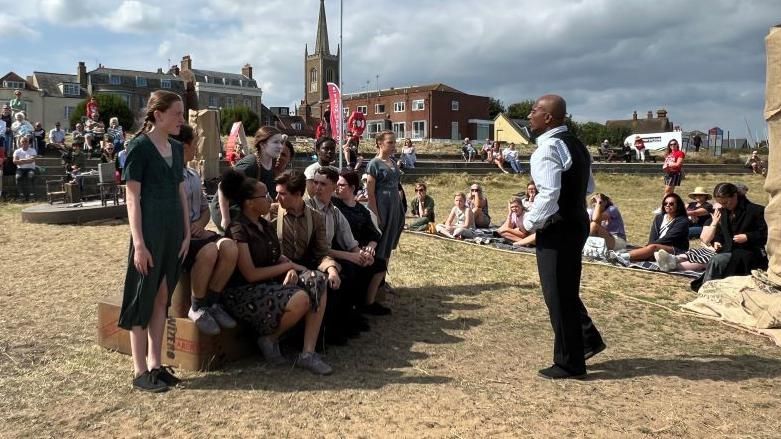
(321, 45)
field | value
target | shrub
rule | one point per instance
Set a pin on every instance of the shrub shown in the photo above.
(109, 105)
(247, 117)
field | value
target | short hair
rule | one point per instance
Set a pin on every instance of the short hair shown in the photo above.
(330, 173)
(352, 179)
(114, 119)
(421, 184)
(319, 143)
(293, 181)
(186, 135)
(459, 194)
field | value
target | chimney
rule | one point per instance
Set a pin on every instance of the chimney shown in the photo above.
(81, 74)
(650, 114)
(159, 70)
(661, 113)
(247, 71)
(187, 63)
(634, 115)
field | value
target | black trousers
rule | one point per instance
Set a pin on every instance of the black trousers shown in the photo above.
(559, 248)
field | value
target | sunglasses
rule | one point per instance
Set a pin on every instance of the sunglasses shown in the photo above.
(475, 190)
(669, 204)
(341, 184)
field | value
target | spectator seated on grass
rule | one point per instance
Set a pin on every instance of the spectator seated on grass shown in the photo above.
(511, 228)
(24, 159)
(669, 232)
(606, 222)
(478, 203)
(695, 259)
(264, 291)
(467, 150)
(738, 233)
(421, 208)
(698, 211)
(460, 222)
(755, 163)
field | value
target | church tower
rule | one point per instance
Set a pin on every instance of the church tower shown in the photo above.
(320, 68)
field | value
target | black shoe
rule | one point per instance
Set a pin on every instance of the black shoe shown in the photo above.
(594, 351)
(166, 375)
(557, 372)
(375, 309)
(148, 382)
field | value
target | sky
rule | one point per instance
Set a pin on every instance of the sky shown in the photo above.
(701, 60)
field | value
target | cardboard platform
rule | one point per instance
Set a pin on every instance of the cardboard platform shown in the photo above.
(184, 346)
(76, 213)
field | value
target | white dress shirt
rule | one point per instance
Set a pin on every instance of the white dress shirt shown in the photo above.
(548, 162)
(336, 225)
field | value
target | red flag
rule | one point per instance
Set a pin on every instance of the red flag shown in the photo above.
(337, 115)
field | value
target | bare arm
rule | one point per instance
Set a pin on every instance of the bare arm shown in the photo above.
(259, 274)
(225, 211)
(185, 220)
(371, 185)
(451, 217)
(134, 213)
(469, 222)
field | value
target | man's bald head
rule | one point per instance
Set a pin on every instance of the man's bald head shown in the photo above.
(549, 112)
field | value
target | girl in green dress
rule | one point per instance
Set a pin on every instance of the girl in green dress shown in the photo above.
(159, 236)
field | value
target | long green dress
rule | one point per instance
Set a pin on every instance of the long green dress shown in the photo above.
(161, 223)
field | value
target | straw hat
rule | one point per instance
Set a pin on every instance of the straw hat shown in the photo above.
(699, 190)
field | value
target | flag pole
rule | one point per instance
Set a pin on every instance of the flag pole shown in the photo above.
(341, 84)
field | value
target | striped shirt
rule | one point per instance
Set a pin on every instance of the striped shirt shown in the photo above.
(548, 162)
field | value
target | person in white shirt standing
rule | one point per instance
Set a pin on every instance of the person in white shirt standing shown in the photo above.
(24, 159)
(561, 170)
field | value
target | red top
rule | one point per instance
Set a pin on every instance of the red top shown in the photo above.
(639, 144)
(670, 160)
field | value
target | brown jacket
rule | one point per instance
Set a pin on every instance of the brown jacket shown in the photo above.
(309, 251)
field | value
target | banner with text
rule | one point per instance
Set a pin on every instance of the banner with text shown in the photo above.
(337, 114)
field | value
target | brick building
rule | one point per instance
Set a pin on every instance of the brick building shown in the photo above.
(436, 112)
(134, 86)
(209, 89)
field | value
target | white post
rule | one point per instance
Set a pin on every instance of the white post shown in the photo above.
(340, 140)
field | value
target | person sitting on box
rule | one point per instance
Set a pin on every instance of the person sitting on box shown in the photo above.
(264, 291)
(211, 258)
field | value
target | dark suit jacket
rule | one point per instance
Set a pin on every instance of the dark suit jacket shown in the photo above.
(677, 233)
(749, 218)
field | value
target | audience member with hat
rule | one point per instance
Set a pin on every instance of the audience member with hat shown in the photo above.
(698, 211)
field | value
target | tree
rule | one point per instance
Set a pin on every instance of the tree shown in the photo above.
(520, 110)
(247, 117)
(495, 106)
(109, 105)
(592, 133)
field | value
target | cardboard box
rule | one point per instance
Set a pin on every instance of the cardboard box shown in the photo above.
(184, 346)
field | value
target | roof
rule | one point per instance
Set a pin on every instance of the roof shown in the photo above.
(123, 72)
(643, 125)
(12, 76)
(519, 125)
(402, 90)
(321, 43)
(231, 78)
(49, 83)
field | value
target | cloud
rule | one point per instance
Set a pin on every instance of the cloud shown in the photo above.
(12, 26)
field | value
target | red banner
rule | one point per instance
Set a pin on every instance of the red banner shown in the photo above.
(337, 115)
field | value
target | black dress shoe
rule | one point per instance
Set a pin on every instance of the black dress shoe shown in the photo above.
(148, 382)
(594, 351)
(557, 372)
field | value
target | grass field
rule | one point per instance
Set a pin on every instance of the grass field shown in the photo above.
(456, 359)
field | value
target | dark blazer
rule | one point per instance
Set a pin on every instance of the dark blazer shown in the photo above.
(677, 234)
(749, 219)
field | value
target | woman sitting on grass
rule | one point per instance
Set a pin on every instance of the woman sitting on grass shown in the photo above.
(669, 232)
(606, 222)
(478, 203)
(511, 230)
(460, 223)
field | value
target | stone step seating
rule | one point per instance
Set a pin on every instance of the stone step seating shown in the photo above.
(53, 170)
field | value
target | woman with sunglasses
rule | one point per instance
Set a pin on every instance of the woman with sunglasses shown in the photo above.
(478, 203)
(669, 232)
(673, 166)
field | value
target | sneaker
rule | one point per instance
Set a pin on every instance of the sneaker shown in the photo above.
(270, 351)
(204, 321)
(615, 258)
(665, 261)
(312, 362)
(166, 375)
(375, 309)
(221, 316)
(148, 382)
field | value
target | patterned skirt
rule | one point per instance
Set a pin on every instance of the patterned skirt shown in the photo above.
(700, 255)
(259, 305)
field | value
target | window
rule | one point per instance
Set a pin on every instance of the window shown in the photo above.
(418, 105)
(115, 80)
(454, 105)
(346, 111)
(71, 89)
(379, 108)
(247, 103)
(140, 81)
(419, 129)
(142, 101)
(399, 107)
(68, 112)
(229, 101)
(13, 84)
(313, 80)
(329, 75)
(374, 127)
(165, 83)
(297, 126)
(398, 129)
(212, 101)
(362, 109)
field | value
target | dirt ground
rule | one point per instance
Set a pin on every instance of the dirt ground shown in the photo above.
(457, 358)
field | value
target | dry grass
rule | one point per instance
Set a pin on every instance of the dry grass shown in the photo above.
(456, 359)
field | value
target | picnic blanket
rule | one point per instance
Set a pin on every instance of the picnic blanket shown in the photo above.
(487, 238)
(752, 302)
